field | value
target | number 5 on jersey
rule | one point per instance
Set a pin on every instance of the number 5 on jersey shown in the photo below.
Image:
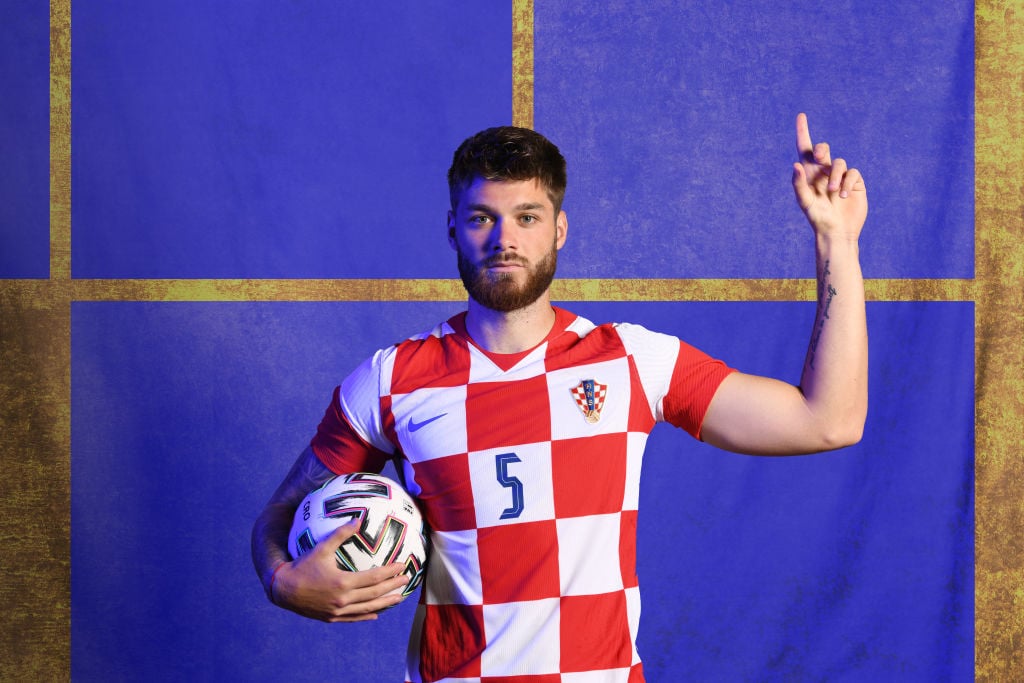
(502, 461)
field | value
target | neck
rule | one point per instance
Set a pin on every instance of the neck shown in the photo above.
(510, 332)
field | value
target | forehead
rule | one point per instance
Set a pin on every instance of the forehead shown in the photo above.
(504, 194)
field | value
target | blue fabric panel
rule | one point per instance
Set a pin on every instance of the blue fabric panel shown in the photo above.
(269, 139)
(855, 565)
(185, 417)
(24, 140)
(677, 122)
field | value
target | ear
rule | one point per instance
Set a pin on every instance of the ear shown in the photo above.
(451, 231)
(561, 229)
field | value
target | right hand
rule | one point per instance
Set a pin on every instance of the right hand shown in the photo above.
(315, 587)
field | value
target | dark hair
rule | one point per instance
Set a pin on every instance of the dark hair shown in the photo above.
(508, 153)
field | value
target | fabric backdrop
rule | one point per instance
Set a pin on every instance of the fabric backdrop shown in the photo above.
(262, 143)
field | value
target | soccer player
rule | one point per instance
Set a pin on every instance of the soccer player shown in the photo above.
(519, 426)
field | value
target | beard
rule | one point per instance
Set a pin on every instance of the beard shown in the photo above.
(499, 291)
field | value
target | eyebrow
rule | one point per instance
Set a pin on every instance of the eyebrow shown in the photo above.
(526, 206)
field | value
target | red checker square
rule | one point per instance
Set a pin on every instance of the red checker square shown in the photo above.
(519, 562)
(589, 475)
(507, 414)
(536, 678)
(447, 493)
(387, 420)
(453, 640)
(430, 362)
(601, 344)
(627, 548)
(595, 632)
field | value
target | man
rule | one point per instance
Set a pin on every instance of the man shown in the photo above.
(520, 426)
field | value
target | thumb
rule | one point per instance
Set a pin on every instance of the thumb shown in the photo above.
(803, 190)
(334, 540)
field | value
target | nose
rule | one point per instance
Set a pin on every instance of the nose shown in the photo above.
(503, 236)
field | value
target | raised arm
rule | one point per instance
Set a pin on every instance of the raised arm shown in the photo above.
(313, 585)
(758, 415)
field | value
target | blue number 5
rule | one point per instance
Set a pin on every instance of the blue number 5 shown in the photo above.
(501, 461)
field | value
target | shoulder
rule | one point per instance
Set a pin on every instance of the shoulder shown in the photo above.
(438, 356)
(584, 341)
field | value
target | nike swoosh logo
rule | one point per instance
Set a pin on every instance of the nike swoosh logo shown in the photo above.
(415, 426)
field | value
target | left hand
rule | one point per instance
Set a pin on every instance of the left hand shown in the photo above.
(832, 196)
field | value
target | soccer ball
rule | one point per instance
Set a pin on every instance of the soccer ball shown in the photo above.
(391, 526)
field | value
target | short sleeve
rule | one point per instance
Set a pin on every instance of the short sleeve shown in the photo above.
(695, 379)
(349, 437)
(679, 380)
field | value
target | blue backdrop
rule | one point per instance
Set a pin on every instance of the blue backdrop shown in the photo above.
(309, 140)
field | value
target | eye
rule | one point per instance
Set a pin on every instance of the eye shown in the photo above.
(528, 219)
(479, 219)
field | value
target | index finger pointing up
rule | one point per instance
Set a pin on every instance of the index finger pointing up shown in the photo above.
(804, 147)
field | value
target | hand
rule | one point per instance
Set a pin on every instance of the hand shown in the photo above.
(832, 196)
(315, 587)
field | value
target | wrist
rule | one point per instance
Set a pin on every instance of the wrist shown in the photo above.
(268, 585)
(830, 241)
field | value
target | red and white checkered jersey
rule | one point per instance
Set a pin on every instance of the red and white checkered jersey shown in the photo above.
(527, 468)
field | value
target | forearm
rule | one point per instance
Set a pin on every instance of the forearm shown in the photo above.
(835, 374)
(269, 541)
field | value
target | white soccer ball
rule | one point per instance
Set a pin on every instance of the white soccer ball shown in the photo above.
(391, 526)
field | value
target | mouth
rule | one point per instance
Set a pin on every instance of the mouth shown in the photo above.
(504, 267)
(500, 264)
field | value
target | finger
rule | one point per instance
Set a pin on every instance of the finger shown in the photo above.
(852, 181)
(349, 620)
(391, 574)
(366, 611)
(822, 154)
(375, 597)
(835, 177)
(336, 538)
(804, 148)
(804, 192)
(378, 597)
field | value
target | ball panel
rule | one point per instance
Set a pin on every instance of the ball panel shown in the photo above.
(391, 527)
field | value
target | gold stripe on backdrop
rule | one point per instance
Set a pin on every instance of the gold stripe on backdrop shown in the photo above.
(522, 63)
(35, 420)
(563, 289)
(35, 351)
(999, 340)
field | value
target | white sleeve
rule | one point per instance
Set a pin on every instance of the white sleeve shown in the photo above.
(359, 399)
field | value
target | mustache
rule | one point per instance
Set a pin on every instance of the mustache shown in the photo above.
(501, 259)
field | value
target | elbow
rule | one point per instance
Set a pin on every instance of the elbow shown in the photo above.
(847, 433)
(836, 440)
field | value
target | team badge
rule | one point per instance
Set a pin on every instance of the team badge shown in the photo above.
(589, 396)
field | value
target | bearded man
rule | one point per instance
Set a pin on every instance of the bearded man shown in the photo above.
(520, 428)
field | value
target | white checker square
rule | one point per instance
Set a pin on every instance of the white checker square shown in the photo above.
(509, 479)
(588, 554)
(567, 418)
(635, 444)
(655, 356)
(483, 369)
(530, 634)
(431, 423)
(633, 614)
(454, 576)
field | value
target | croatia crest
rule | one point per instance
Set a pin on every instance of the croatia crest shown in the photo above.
(589, 396)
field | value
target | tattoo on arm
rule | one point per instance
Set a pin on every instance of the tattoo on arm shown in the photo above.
(826, 292)
(270, 532)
